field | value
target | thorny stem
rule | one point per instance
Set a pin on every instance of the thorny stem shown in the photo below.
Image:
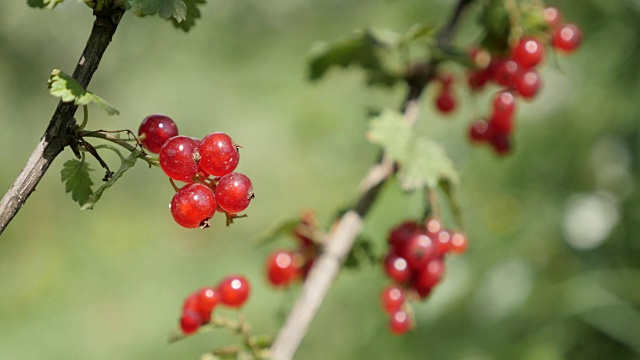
(342, 237)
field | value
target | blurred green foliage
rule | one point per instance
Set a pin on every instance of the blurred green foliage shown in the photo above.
(553, 267)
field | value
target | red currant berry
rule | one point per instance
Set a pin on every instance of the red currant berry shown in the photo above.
(501, 143)
(193, 205)
(234, 291)
(218, 154)
(502, 117)
(432, 225)
(420, 250)
(179, 158)
(401, 234)
(392, 298)
(446, 102)
(157, 129)
(552, 16)
(528, 83)
(190, 322)
(428, 277)
(283, 267)
(208, 298)
(506, 72)
(528, 53)
(442, 242)
(396, 268)
(459, 243)
(480, 131)
(567, 38)
(234, 192)
(399, 323)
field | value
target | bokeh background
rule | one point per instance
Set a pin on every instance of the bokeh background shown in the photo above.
(552, 271)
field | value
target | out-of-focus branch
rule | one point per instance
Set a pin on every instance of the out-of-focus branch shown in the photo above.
(342, 237)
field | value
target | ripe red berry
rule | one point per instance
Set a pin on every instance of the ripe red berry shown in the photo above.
(392, 298)
(420, 250)
(401, 234)
(480, 131)
(190, 322)
(502, 117)
(179, 158)
(207, 298)
(506, 72)
(193, 205)
(428, 277)
(500, 142)
(528, 53)
(396, 268)
(234, 291)
(157, 129)
(283, 267)
(218, 154)
(446, 102)
(442, 242)
(234, 192)
(552, 16)
(567, 38)
(528, 83)
(399, 323)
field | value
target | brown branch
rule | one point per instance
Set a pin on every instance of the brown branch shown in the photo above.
(342, 237)
(57, 136)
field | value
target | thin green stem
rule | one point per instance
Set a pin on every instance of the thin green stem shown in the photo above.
(121, 142)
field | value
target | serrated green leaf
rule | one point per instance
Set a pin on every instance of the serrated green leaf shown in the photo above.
(126, 164)
(166, 9)
(362, 50)
(426, 164)
(75, 176)
(283, 229)
(65, 87)
(193, 13)
(391, 132)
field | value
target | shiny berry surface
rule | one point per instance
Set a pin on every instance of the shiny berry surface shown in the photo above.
(420, 250)
(392, 298)
(218, 154)
(446, 102)
(552, 16)
(567, 38)
(396, 268)
(480, 131)
(399, 323)
(179, 158)
(528, 53)
(528, 84)
(283, 267)
(401, 234)
(506, 72)
(459, 243)
(207, 299)
(234, 192)
(193, 205)
(234, 291)
(190, 322)
(157, 129)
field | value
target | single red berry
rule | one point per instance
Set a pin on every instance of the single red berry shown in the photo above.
(432, 225)
(218, 154)
(191, 303)
(504, 105)
(480, 131)
(234, 192)
(190, 322)
(420, 250)
(501, 143)
(399, 323)
(396, 268)
(528, 83)
(157, 129)
(506, 72)
(400, 235)
(208, 298)
(283, 267)
(179, 158)
(442, 242)
(446, 102)
(392, 298)
(567, 38)
(193, 205)
(234, 291)
(528, 53)
(552, 16)
(428, 277)
(459, 242)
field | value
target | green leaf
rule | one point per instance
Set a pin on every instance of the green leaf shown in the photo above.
(166, 9)
(42, 3)
(422, 161)
(391, 132)
(417, 31)
(425, 165)
(284, 229)
(193, 13)
(65, 87)
(126, 164)
(75, 176)
(362, 49)
(495, 21)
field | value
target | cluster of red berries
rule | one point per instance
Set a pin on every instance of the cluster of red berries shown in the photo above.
(284, 267)
(415, 263)
(232, 292)
(207, 166)
(518, 76)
